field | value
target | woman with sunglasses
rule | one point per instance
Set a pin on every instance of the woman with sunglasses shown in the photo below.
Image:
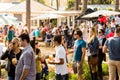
(101, 55)
(93, 48)
(13, 54)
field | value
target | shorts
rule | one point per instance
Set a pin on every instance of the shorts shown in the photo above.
(77, 68)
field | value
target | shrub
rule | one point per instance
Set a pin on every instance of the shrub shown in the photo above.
(73, 77)
(105, 69)
(51, 75)
(86, 75)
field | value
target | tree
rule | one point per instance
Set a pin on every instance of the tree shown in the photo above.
(70, 4)
(92, 1)
(84, 6)
(76, 4)
(100, 1)
(116, 5)
(28, 14)
(57, 4)
(41, 1)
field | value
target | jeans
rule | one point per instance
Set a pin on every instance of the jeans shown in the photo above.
(38, 76)
(11, 78)
(61, 77)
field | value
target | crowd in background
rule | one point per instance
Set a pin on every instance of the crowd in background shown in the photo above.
(80, 38)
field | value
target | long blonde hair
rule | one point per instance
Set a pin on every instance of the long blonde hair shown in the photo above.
(94, 34)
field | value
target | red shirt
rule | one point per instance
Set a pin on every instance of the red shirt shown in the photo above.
(111, 34)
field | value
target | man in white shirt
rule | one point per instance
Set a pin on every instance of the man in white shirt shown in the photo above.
(61, 70)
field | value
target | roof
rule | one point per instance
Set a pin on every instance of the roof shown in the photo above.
(36, 7)
(101, 12)
(101, 7)
(4, 6)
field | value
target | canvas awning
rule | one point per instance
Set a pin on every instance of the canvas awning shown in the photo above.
(36, 7)
(47, 16)
(6, 19)
(101, 12)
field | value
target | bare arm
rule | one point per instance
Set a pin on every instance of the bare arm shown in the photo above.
(83, 55)
(61, 61)
(24, 74)
(105, 49)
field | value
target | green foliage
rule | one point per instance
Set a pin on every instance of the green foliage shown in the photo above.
(22, 0)
(86, 75)
(105, 69)
(41, 1)
(73, 77)
(54, 22)
(109, 8)
(103, 1)
(70, 4)
(51, 76)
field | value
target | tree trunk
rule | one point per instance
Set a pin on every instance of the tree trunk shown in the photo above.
(92, 1)
(116, 5)
(100, 1)
(76, 4)
(84, 6)
(80, 2)
(57, 4)
(28, 14)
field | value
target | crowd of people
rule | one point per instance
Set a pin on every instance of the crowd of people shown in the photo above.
(28, 64)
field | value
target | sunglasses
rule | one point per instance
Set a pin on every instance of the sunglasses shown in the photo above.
(75, 34)
(99, 32)
(13, 43)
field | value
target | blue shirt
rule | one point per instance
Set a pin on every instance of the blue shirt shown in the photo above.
(26, 61)
(37, 33)
(10, 34)
(79, 44)
(113, 45)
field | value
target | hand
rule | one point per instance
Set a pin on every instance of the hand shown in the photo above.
(10, 46)
(100, 47)
(50, 62)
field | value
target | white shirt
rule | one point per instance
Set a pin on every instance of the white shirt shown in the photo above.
(117, 19)
(61, 54)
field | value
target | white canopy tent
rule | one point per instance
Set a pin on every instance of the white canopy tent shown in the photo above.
(101, 12)
(6, 19)
(47, 16)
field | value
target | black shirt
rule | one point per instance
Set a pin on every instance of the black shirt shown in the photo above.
(10, 55)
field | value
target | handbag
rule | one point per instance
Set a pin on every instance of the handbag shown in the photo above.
(94, 59)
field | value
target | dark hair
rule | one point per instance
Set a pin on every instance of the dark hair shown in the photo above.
(25, 36)
(79, 32)
(58, 38)
(102, 31)
(117, 30)
(32, 43)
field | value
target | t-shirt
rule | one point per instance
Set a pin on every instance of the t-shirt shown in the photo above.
(10, 34)
(37, 33)
(113, 45)
(79, 44)
(61, 54)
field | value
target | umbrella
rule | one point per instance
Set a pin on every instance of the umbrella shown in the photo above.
(88, 11)
(47, 16)
(8, 20)
(101, 12)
